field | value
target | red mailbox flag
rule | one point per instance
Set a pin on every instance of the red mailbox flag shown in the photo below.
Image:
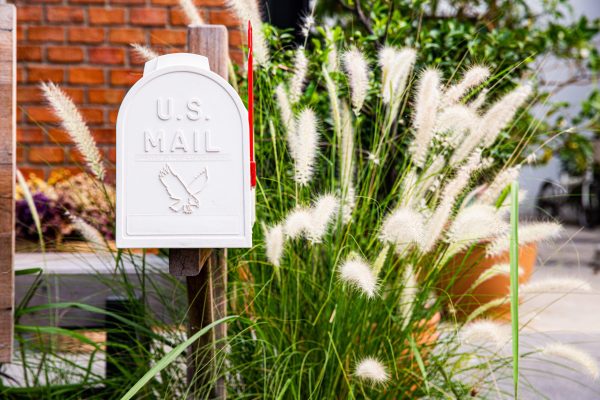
(251, 106)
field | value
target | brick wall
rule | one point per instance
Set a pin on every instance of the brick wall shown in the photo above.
(83, 45)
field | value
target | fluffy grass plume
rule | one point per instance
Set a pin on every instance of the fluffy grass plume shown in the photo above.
(73, 123)
(426, 106)
(275, 242)
(333, 62)
(357, 67)
(322, 213)
(455, 123)
(528, 233)
(311, 222)
(191, 12)
(484, 332)
(303, 146)
(347, 163)
(358, 274)
(144, 52)
(438, 220)
(474, 77)
(249, 10)
(492, 272)
(491, 123)
(500, 182)
(285, 108)
(586, 361)
(479, 101)
(501, 113)
(408, 295)
(371, 370)
(402, 228)
(89, 233)
(554, 285)
(334, 101)
(300, 69)
(396, 66)
(475, 223)
(297, 222)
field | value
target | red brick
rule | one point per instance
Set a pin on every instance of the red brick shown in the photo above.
(29, 172)
(88, 1)
(210, 3)
(112, 155)
(104, 136)
(125, 77)
(46, 154)
(236, 38)
(165, 2)
(21, 33)
(84, 75)
(106, 55)
(86, 35)
(56, 135)
(30, 135)
(29, 14)
(29, 53)
(135, 58)
(112, 116)
(20, 75)
(165, 37)
(177, 17)
(29, 94)
(76, 157)
(237, 56)
(33, 94)
(75, 94)
(148, 16)
(92, 115)
(64, 14)
(107, 16)
(36, 74)
(106, 96)
(128, 1)
(46, 34)
(224, 17)
(126, 35)
(20, 154)
(65, 54)
(40, 114)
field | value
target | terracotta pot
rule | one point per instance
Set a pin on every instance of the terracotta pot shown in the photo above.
(463, 270)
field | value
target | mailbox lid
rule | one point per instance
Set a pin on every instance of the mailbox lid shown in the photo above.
(183, 176)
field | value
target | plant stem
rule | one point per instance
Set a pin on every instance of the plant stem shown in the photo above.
(514, 282)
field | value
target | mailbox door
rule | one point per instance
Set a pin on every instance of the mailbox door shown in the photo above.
(183, 176)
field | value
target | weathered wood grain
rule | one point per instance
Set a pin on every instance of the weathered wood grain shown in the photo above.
(7, 176)
(206, 269)
(187, 262)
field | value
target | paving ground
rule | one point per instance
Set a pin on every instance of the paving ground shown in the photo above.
(572, 318)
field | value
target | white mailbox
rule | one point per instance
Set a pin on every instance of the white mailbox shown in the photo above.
(183, 159)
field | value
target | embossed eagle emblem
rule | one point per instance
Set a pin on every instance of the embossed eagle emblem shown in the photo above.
(185, 195)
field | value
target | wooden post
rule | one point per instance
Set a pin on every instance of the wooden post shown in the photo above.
(7, 175)
(205, 269)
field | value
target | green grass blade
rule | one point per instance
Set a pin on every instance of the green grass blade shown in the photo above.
(514, 281)
(420, 363)
(170, 357)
